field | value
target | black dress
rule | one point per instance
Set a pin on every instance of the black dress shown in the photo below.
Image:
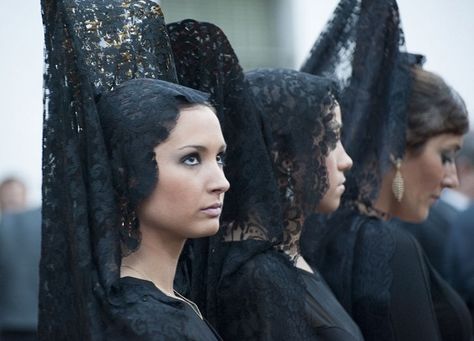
(262, 301)
(142, 311)
(381, 276)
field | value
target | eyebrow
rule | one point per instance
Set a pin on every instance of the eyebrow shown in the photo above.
(201, 148)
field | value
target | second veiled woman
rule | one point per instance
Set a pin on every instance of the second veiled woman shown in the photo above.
(266, 290)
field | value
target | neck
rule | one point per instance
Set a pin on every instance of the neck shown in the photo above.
(291, 236)
(386, 203)
(156, 259)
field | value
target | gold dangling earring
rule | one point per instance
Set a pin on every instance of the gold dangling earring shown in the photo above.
(398, 184)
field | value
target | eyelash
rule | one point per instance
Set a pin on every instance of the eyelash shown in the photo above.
(220, 159)
(447, 157)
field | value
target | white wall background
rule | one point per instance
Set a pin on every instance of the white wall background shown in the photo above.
(441, 29)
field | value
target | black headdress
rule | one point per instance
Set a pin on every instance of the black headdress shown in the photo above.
(294, 117)
(205, 60)
(91, 47)
(296, 109)
(362, 45)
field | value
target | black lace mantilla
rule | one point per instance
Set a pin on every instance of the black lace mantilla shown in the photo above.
(362, 46)
(91, 48)
(297, 113)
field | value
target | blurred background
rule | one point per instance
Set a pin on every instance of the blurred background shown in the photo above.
(263, 33)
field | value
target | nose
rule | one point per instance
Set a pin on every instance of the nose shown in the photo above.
(450, 179)
(345, 161)
(218, 183)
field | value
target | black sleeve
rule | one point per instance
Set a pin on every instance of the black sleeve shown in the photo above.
(412, 310)
(391, 293)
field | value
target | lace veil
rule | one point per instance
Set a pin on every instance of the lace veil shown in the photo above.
(362, 46)
(91, 48)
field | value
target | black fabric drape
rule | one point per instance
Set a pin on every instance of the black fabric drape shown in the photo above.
(91, 46)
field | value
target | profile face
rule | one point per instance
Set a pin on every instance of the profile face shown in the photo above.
(337, 162)
(188, 197)
(425, 174)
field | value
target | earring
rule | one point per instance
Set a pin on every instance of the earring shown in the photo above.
(398, 184)
(290, 193)
(129, 229)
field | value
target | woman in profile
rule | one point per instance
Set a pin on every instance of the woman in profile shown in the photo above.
(405, 127)
(267, 290)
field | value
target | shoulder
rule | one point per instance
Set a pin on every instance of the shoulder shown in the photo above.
(264, 268)
(141, 312)
(261, 278)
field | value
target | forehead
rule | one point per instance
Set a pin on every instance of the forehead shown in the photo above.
(447, 141)
(196, 124)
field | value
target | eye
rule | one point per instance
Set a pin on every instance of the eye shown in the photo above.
(447, 157)
(191, 159)
(221, 158)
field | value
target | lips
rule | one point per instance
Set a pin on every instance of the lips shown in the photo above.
(213, 210)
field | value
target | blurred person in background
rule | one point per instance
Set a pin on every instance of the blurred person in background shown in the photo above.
(20, 237)
(12, 195)
(459, 250)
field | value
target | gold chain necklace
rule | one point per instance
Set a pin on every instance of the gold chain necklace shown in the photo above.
(176, 295)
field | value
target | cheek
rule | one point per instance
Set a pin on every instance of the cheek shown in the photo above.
(177, 190)
(424, 178)
(331, 168)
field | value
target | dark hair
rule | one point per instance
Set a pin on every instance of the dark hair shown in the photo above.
(434, 108)
(136, 117)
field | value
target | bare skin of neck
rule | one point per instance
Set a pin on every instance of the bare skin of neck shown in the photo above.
(386, 202)
(156, 259)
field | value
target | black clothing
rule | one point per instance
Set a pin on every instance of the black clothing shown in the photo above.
(460, 258)
(387, 284)
(143, 312)
(20, 244)
(326, 311)
(268, 298)
(433, 234)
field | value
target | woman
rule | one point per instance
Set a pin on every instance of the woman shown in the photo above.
(167, 156)
(404, 129)
(125, 178)
(266, 290)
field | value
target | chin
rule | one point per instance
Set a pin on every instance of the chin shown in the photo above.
(328, 206)
(208, 230)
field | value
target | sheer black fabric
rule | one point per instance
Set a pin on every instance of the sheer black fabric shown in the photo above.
(168, 318)
(91, 48)
(378, 274)
(205, 60)
(391, 290)
(226, 270)
(362, 45)
(298, 140)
